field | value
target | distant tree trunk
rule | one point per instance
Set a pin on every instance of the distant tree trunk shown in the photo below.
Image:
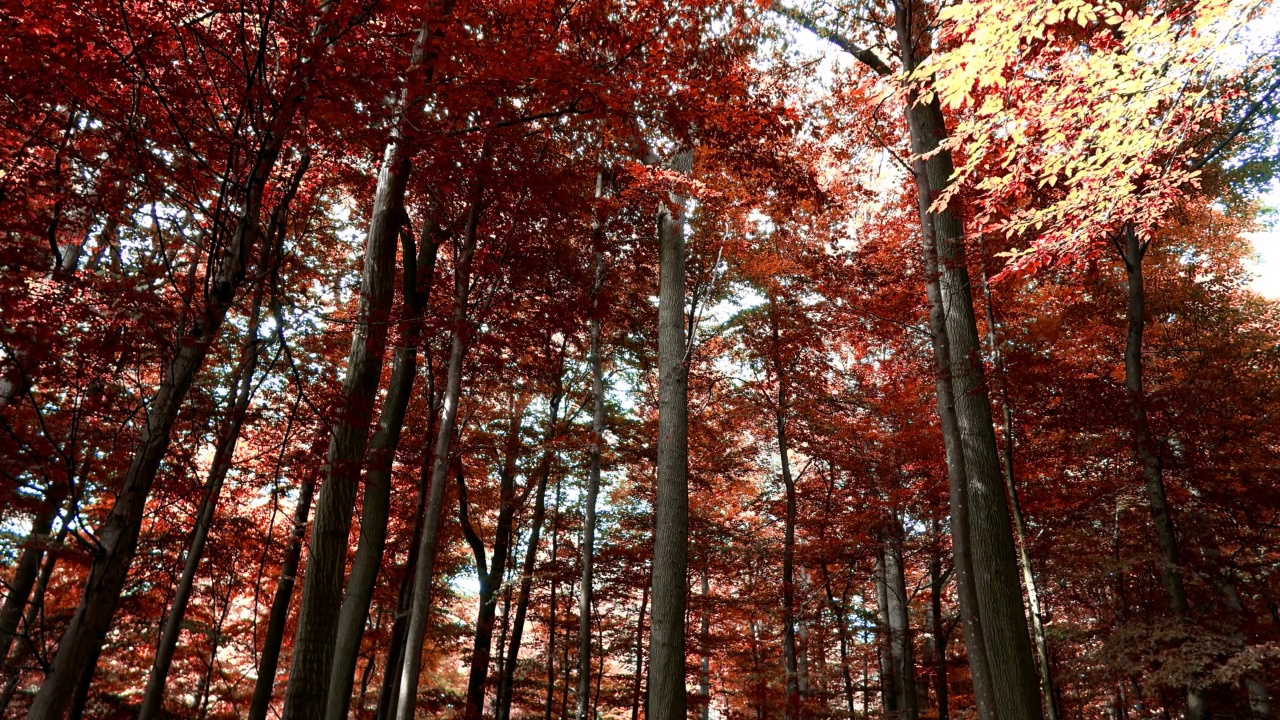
(224, 455)
(793, 706)
(27, 572)
(1019, 523)
(639, 671)
(901, 642)
(838, 616)
(671, 504)
(423, 574)
(507, 686)
(937, 585)
(382, 449)
(704, 642)
(491, 573)
(593, 470)
(264, 686)
(1147, 450)
(890, 691)
(82, 640)
(548, 706)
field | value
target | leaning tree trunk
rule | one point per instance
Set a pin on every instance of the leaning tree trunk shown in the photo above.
(506, 686)
(593, 471)
(224, 454)
(991, 555)
(1147, 451)
(382, 449)
(424, 571)
(264, 685)
(81, 642)
(671, 504)
(26, 574)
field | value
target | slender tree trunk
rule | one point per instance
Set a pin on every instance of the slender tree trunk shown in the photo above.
(382, 449)
(278, 617)
(639, 671)
(1019, 523)
(81, 642)
(704, 642)
(26, 574)
(793, 706)
(424, 572)
(937, 584)
(507, 686)
(224, 455)
(1148, 452)
(548, 705)
(890, 692)
(901, 642)
(34, 609)
(671, 505)
(842, 632)
(593, 471)
(986, 560)
(490, 575)
(389, 691)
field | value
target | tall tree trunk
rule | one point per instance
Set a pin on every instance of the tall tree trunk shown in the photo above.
(937, 585)
(278, 617)
(793, 706)
(1015, 506)
(424, 572)
(389, 691)
(1148, 452)
(704, 643)
(548, 705)
(490, 574)
(988, 553)
(26, 574)
(671, 504)
(890, 691)
(639, 670)
(224, 454)
(507, 686)
(593, 470)
(382, 449)
(82, 640)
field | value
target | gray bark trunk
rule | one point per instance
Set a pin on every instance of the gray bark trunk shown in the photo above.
(937, 584)
(377, 492)
(704, 638)
(423, 574)
(901, 642)
(593, 470)
(671, 505)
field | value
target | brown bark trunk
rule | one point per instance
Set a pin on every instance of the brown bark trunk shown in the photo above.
(26, 574)
(937, 584)
(704, 642)
(424, 572)
(264, 685)
(548, 705)
(838, 616)
(671, 505)
(793, 704)
(34, 610)
(636, 699)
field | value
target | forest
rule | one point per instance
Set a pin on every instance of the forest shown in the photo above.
(639, 359)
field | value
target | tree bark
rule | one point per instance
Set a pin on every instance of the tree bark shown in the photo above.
(842, 631)
(424, 572)
(937, 584)
(1148, 452)
(1015, 506)
(26, 574)
(989, 551)
(382, 449)
(671, 505)
(704, 641)
(34, 609)
(507, 686)
(224, 455)
(900, 646)
(118, 535)
(264, 685)
(636, 699)
(548, 705)
(593, 470)
(491, 573)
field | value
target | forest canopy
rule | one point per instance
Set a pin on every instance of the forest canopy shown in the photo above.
(638, 360)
